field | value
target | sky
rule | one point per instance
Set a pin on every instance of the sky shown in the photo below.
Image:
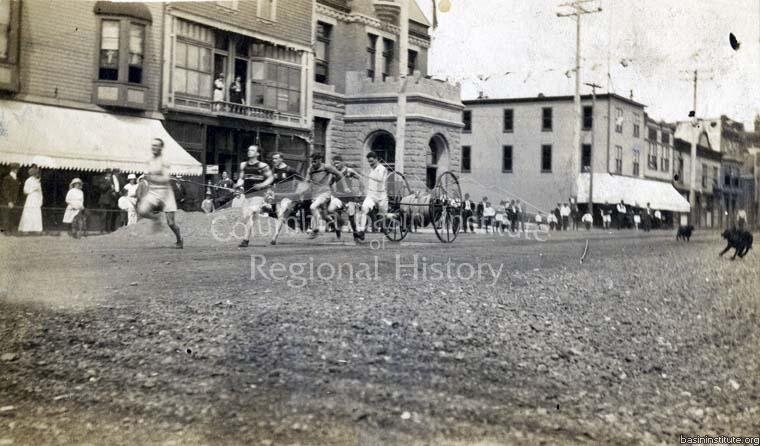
(651, 47)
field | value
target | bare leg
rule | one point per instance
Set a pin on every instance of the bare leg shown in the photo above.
(175, 229)
(284, 215)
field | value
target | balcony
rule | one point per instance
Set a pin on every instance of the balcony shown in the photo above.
(239, 111)
(118, 94)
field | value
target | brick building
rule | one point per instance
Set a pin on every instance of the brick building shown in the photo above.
(521, 148)
(80, 92)
(267, 45)
(357, 87)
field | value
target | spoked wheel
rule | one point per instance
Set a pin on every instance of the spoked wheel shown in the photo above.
(446, 207)
(396, 222)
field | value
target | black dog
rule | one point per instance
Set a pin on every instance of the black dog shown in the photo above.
(738, 239)
(684, 232)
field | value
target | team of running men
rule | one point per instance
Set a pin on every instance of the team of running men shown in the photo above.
(259, 182)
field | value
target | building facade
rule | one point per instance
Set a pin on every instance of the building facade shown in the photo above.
(707, 211)
(80, 90)
(521, 148)
(357, 83)
(237, 73)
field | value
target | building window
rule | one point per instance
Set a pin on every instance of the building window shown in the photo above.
(506, 159)
(666, 138)
(727, 177)
(546, 119)
(618, 159)
(665, 159)
(588, 117)
(387, 58)
(652, 157)
(467, 119)
(320, 135)
(679, 170)
(618, 120)
(411, 62)
(636, 125)
(192, 71)
(509, 120)
(276, 86)
(704, 175)
(322, 53)
(371, 51)
(110, 37)
(636, 163)
(585, 157)
(716, 176)
(267, 9)
(546, 158)
(466, 159)
(652, 134)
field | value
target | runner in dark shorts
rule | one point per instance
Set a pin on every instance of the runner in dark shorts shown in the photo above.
(255, 179)
(286, 184)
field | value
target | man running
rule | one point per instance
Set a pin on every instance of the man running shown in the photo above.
(321, 177)
(377, 193)
(347, 195)
(255, 177)
(285, 180)
(160, 196)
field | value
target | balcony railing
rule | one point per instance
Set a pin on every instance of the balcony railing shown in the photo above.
(235, 110)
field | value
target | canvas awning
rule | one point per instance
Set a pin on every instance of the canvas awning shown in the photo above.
(633, 191)
(65, 138)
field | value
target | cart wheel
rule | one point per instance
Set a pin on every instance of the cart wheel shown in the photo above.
(396, 223)
(446, 207)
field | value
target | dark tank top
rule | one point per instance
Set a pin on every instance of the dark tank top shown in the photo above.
(254, 174)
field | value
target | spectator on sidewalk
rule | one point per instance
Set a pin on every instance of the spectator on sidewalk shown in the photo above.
(207, 206)
(222, 196)
(479, 211)
(657, 219)
(512, 215)
(741, 219)
(558, 217)
(564, 212)
(553, 222)
(520, 215)
(647, 220)
(31, 216)
(621, 214)
(636, 219)
(239, 198)
(74, 205)
(587, 220)
(130, 193)
(575, 214)
(468, 208)
(10, 192)
(539, 220)
(501, 217)
(109, 187)
(488, 215)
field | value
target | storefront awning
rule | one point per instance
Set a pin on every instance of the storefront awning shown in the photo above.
(66, 138)
(633, 191)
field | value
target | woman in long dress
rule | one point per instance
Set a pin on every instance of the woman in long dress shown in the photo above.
(31, 217)
(74, 204)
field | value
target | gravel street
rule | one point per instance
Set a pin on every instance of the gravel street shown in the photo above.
(120, 340)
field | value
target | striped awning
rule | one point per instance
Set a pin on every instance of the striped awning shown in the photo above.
(66, 138)
(634, 191)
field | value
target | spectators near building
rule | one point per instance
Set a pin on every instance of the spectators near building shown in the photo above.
(130, 193)
(741, 218)
(207, 206)
(564, 212)
(553, 221)
(468, 208)
(520, 215)
(479, 211)
(647, 218)
(10, 193)
(223, 196)
(237, 94)
(31, 216)
(575, 214)
(558, 217)
(488, 216)
(621, 214)
(636, 219)
(587, 220)
(657, 219)
(501, 217)
(74, 204)
(539, 220)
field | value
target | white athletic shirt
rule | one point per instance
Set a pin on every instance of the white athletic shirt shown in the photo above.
(376, 187)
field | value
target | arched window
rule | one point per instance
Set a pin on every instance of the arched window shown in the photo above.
(384, 145)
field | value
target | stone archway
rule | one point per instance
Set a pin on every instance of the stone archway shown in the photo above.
(384, 145)
(438, 159)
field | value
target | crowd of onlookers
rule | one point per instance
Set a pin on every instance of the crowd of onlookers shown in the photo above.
(113, 199)
(512, 216)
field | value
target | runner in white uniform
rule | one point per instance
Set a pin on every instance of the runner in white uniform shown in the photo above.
(255, 178)
(160, 196)
(377, 192)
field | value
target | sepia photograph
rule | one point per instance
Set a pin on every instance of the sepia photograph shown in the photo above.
(379, 222)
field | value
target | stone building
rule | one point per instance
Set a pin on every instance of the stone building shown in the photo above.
(521, 148)
(358, 80)
(80, 90)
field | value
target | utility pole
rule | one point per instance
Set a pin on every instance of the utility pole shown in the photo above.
(403, 58)
(578, 10)
(591, 153)
(693, 164)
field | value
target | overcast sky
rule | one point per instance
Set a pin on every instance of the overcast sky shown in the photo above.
(660, 41)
